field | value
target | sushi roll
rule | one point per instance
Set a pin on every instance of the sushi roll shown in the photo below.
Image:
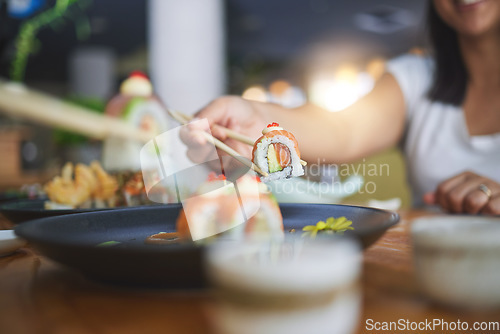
(238, 210)
(277, 153)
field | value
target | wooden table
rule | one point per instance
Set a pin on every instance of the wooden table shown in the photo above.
(39, 296)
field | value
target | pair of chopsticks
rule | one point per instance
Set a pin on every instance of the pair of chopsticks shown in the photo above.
(184, 119)
(232, 134)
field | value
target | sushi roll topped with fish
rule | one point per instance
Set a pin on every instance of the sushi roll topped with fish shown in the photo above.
(243, 209)
(277, 153)
(137, 105)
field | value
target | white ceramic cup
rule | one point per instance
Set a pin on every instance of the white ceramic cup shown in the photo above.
(457, 259)
(289, 287)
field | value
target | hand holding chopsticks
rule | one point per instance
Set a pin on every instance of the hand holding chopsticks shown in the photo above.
(184, 119)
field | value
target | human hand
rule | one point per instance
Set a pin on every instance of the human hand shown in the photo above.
(467, 193)
(231, 112)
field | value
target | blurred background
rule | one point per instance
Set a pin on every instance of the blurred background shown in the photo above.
(328, 52)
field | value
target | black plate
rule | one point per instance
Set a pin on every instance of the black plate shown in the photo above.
(72, 240)
(24, 210)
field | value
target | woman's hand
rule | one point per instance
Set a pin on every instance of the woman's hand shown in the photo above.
(231, 112)
(467, 193)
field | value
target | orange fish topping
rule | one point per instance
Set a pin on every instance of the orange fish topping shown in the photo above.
(272, 125)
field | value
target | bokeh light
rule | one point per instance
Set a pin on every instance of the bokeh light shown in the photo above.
(339, 90)
(279, 87)
(375, 68)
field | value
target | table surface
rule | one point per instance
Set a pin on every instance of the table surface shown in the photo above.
(40, 296)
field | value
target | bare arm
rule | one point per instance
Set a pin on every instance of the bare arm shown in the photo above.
(372, 124)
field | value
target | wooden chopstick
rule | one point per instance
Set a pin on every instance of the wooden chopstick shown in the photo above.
(231, 133)
(179, 117)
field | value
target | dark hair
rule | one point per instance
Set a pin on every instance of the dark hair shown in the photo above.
(450, 76)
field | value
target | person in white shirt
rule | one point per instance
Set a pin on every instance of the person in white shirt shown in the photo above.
(443, 110)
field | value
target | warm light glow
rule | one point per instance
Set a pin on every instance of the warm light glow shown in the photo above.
(332, 94)
(417, 51)
(255, 93)
(279, 87)
(338, 91)
(347, 73)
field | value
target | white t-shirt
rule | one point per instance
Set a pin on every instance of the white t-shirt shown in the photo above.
(437, 143)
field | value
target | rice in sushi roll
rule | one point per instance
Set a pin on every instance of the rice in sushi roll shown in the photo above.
(277, 153)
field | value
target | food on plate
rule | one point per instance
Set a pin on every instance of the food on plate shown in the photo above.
(277, 152)
(106, 186)
(241, 209)
(81, 186)
(133, 190)
(330, 226)
(91, 186)
(137, 105)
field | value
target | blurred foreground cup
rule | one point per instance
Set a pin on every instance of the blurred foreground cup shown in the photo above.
(294, 286)
(457, 260)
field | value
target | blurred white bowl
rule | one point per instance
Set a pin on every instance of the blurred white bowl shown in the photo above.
(9, 242)
(457, 259)
(290, 287)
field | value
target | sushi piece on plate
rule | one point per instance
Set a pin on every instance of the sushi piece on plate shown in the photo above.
(81, 186)
(238, 210)
(277, 153)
